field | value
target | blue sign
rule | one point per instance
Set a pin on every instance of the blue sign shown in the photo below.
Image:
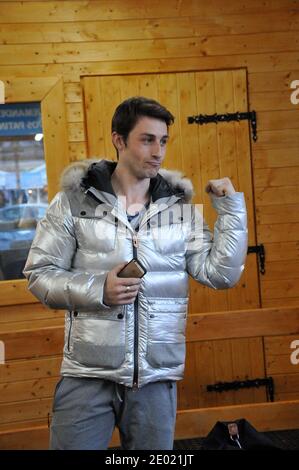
(20, 119)
(35, 178)
(29, 179)
(8, 180)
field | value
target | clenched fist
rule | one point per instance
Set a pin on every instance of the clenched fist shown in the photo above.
(221, 187)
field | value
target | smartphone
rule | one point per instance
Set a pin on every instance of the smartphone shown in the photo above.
(133, 269)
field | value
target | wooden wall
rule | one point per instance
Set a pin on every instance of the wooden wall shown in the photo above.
(72, 39)
(76, 38)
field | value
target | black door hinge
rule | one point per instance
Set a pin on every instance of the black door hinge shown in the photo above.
(207, 118)
(260, 250)
(239, 384)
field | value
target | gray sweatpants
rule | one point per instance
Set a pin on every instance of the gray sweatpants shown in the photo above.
(86, 410)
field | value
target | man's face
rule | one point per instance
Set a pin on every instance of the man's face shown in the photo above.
(145, 148)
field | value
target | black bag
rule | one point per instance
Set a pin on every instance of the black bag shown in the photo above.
(237, 435)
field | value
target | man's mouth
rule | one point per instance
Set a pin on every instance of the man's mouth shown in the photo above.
(154, 164)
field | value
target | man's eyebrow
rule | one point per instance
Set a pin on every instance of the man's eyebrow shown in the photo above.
(153, 135)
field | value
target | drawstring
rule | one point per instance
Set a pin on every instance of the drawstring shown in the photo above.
(117, 392)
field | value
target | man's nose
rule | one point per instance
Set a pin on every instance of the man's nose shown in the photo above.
(157, 150)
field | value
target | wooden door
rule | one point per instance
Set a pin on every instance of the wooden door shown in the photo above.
(201, 153)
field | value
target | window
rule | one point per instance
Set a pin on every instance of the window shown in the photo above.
(23, 184)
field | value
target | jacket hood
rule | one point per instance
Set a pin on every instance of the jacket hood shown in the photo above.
(78, 174)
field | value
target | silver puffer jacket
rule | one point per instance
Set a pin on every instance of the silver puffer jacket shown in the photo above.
(86, 233)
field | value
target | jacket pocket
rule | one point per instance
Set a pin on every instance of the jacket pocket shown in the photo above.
(99, 340)
(166, 332)
(166, 354)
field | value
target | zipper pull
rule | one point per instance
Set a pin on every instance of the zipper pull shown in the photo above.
(135, 387)
(135, 241)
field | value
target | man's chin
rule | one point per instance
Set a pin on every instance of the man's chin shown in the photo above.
(148, 173)
(152, 172)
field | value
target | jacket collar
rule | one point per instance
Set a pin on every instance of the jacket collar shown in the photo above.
(97, 174)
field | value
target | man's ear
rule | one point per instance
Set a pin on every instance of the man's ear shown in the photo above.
(118, 141)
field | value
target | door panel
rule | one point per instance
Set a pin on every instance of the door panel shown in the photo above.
(201, 153)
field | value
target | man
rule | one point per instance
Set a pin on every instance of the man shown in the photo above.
(125, 337)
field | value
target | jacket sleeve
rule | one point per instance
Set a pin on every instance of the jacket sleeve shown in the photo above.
(48, 266)
(218, 261)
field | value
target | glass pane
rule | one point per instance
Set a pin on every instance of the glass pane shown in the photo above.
(23, 184)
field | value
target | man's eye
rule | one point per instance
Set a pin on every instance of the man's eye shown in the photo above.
(163, 142)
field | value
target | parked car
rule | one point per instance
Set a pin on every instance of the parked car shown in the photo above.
(17, 229)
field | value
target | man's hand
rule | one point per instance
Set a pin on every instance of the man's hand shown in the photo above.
(221, 187)
(120, 290)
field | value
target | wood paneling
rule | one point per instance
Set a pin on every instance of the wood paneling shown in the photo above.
(268, 177)
(275, 233)
(209, 362)
(13, 313)
(15, 292)
(74, 112)
(24, 410)
(281, 288)
(27, 390)
(275, 158)
(143, 28)
(290, 301)
(146, 49)
(271, 62)
(271, 101)
(77, 151)
(27, 435)
(265, 82)
(26, 369)
(274, 214)
(27, 89)
(22, 12)
(281, 195)
(55, 141)
(282, 270)
(243, 323)
(47, 342)
(283, 251)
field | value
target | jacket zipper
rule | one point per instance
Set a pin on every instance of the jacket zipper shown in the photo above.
(70, 331)
(135, 374)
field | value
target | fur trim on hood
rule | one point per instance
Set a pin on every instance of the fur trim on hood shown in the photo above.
(73, 174)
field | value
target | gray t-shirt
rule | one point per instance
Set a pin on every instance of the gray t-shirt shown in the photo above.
(136, 218)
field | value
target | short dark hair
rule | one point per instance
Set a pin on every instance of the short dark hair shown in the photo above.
(131, 110)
